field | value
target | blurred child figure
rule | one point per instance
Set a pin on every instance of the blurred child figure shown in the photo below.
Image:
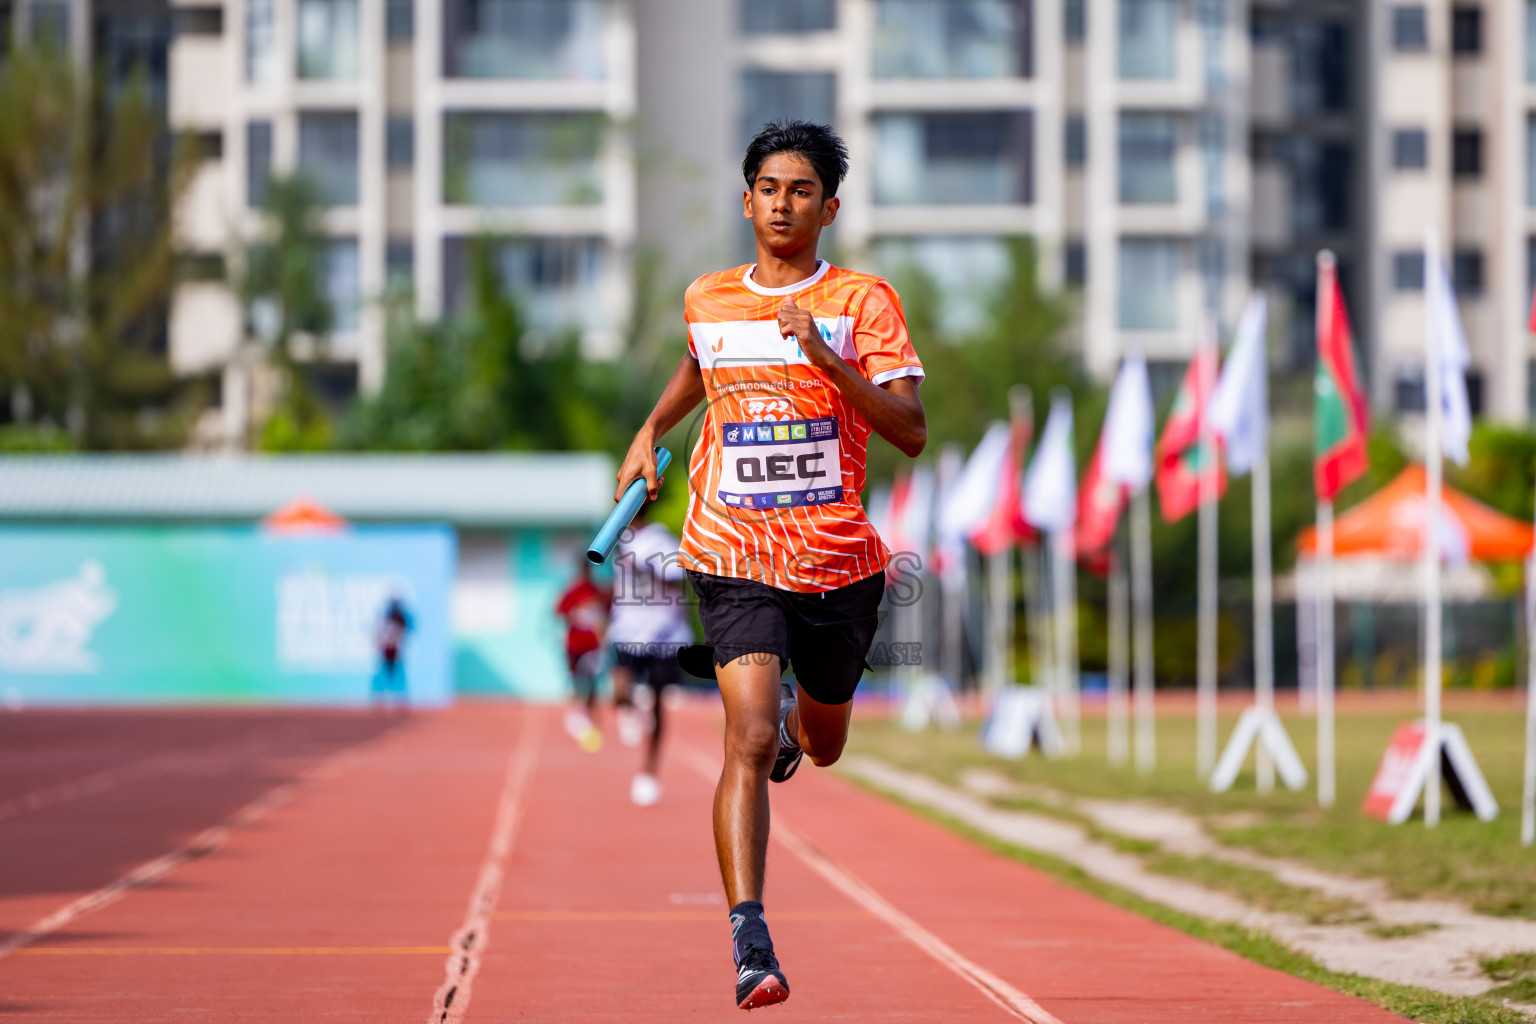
(389, 680)
(584, 607)
(649, 624)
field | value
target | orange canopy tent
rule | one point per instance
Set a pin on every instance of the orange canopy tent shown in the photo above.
(303, 515)
(1390, 524)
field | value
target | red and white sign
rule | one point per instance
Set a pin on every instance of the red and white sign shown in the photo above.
(1396, 774)
(1404, 771)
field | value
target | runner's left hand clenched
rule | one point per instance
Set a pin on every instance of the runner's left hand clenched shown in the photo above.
(797, 322)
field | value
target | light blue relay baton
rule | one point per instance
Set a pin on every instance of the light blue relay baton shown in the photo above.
(618, 520)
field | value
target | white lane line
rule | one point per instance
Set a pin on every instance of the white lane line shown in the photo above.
(451, 1001)
(1015, 1002)
(201, 845)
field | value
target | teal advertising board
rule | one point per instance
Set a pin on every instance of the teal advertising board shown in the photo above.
(134, 615)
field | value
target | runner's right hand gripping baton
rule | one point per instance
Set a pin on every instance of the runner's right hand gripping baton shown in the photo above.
(618, 520)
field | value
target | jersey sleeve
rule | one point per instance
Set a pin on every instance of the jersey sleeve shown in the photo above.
(880, 340)
(688, 318)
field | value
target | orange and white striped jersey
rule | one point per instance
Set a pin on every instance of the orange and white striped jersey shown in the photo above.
(776, 473)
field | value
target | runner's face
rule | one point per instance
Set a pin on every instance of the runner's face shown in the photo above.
(786, 206)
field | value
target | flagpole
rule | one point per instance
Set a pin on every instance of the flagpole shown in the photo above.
(1141, 581)
(1117, 742)
(1064, 593)
(1205, 667)
(1433, 409)
(1324, 656)
(1000, 593)
(1263, 615)
(1528, 799)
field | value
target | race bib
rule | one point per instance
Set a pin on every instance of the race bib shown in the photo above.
(781, 465)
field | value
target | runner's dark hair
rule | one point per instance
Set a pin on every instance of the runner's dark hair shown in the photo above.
(821, 147)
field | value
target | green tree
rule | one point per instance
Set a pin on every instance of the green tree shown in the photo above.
(480, 381)
(282, 290)
(87, 268)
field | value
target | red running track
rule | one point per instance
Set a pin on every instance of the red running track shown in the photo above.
(377, 869)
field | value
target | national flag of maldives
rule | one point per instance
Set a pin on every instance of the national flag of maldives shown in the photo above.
(1099, 505)
(1004, 525)
(1181, 458)
(1341, 417)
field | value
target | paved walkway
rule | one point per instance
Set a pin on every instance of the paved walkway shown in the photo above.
(474, 865)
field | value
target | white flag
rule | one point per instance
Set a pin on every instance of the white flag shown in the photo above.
(1240, 406)
(916, 526)
(949, 548)
(1128, 426)
(1447, 352)
(879, 511)
(975, 493)
(1050, 483)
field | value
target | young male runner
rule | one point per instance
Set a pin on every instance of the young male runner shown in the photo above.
(798, 361)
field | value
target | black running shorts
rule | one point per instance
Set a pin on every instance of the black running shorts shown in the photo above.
(655, 665)
(824, 635)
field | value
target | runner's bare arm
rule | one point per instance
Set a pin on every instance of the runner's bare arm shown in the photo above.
(892, 409)
(684, 391)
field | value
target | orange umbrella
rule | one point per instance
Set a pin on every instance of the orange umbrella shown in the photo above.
(302, 515)
(1390, 524)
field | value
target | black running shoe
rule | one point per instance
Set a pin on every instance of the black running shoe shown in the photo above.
(759, 981)
(789, 751)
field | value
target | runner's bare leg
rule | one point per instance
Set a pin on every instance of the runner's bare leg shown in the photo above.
(821, 729)
(749, 687)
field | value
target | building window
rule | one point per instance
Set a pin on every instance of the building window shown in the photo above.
(399, 264)
(1530, 40)
(951, 39)
(400, 20)
(1074, 263)
(966, 273)
(523, 39)
(1320, 174)
(772, 95)
(258, 162)
(340, 282)
(50, 24)
(1410, 28)
(954, 158)
(1466, 29)
(198, 21)
(1467, 271)
(400, 143)
(1076, 143)
(1148, 42)
(261, 41)
(556, 280)
(770, 17)
(1530, 161)
(1075, 19)
(1408, 270)
(1213, 163)
(1410, 149)
(1149, 283)
(496, 159)
(1149, 145)
(1320, 62)
(1408, 390)
(328, 39)
(328, 154)
(1467, 153)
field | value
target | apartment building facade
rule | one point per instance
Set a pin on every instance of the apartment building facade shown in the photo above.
(1165, 155)
(970, 122)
